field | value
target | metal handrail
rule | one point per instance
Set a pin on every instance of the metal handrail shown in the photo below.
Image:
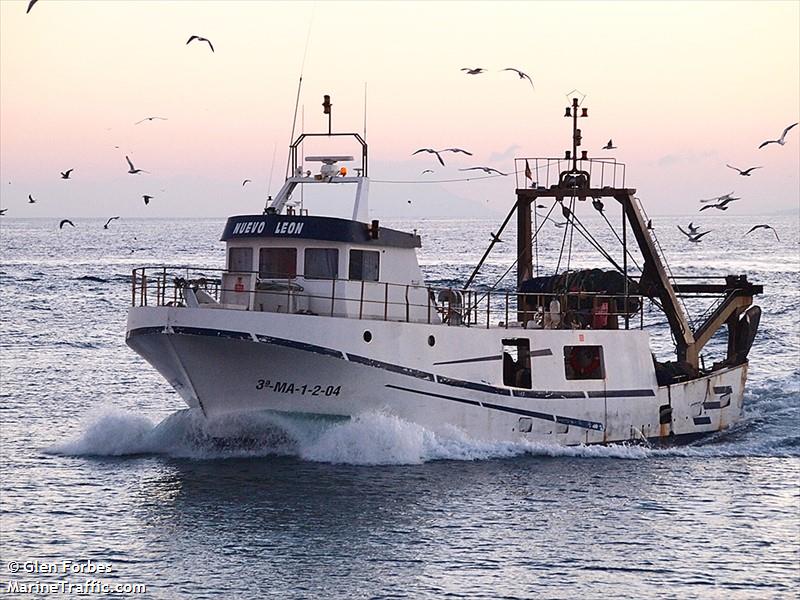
(487, 310)
(545, 171)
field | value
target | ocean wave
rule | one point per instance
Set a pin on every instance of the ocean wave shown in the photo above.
(369, 439)
(70, 344)
(117, 277)
(91, 278)
(183, 434)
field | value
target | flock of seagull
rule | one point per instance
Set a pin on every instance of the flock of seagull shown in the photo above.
(721, 202)
(437, 153)
(132, 170)
(693, 234)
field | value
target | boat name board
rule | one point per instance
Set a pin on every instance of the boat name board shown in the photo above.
(257, 228)
(315, 228)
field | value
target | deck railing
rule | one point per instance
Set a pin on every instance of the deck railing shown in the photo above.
(546, 172)
(182, 286)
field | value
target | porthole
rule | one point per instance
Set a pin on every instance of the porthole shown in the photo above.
(431, 341)
(367, 336)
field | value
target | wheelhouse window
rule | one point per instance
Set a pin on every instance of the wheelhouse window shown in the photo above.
(277, 263)
(584, 362)
(321, 263)
(364, 265)
(240, 259)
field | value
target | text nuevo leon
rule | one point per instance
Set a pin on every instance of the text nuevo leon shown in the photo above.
(256, 227)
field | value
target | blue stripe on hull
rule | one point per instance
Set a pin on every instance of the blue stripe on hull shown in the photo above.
(267, 339)
(362, 360)
(509, 409)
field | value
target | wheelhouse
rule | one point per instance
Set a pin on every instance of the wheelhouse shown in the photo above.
(322, 265)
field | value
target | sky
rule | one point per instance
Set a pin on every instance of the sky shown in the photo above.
(683, 88)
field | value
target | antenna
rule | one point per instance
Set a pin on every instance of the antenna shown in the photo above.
(572, 111)
(299, 85)
(365, 110)
(294, 123)
(326, 109)
(269, 184)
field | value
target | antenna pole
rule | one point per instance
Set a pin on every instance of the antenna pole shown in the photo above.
(572, 111)
(576, 135)
(294, 123)
(326, 109)
(299, 85)
(365, 110)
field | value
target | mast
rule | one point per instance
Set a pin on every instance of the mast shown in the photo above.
(576, 182)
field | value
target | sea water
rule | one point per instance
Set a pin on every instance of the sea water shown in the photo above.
(102, 464)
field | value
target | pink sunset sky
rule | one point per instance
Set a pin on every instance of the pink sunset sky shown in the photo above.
(682, 87)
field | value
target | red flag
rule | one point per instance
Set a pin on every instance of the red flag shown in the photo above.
(528, 173)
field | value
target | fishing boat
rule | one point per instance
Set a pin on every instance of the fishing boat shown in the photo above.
(323, 317)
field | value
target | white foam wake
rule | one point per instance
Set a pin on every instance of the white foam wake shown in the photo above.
(370, 439)
(112, 434)
(381, 439)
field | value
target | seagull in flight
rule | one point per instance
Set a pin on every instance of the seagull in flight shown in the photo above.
(31, 200)
(487, 170)
(246, 181)
(721, 205)
(781, 140)
(151, 119)
(146, 199)
(745, 173)
(430, 151)
(426, 171)
(693, 233)
(30, 5)
(475, 71)
(609, 146)
(765, 226)
(556, 223)
(201, 39)
(3, 211)
(437, 152)
(133, 170)
(65, 222)
(109, 221)
(65, 174)
(718, 198)
(521, 75)
(456, 150)
(697, 237)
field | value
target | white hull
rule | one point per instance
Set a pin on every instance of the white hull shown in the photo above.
(229, 361)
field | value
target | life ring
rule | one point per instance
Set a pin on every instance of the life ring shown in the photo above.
(581, 367)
